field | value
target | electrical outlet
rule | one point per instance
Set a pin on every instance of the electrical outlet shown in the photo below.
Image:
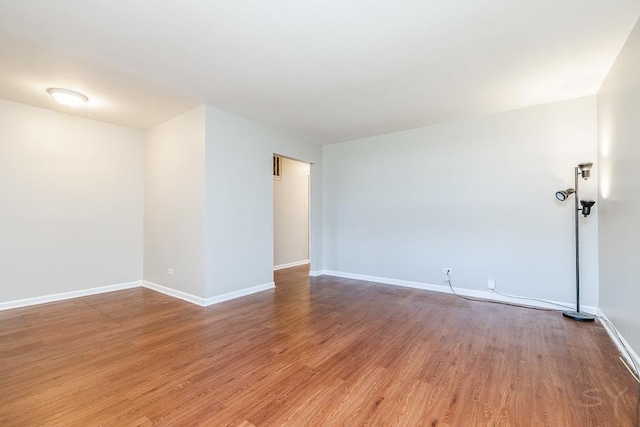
(446, 271)
(491, 283)
(170, 271)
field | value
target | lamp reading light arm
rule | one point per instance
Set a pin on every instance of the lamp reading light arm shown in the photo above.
(563, 195)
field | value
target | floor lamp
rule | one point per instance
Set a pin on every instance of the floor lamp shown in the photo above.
(582, 170)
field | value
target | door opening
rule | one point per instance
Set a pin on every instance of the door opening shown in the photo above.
(291, 213)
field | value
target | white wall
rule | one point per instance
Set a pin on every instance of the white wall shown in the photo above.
(239, 218)
(209, 201)
(474, 195)
(619, 157)
(291, 213)
(70, 203)
(174, 203)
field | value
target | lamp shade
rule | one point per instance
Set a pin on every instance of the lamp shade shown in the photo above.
(586, 206)
(585, 169)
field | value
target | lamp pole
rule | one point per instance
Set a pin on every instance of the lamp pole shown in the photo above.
(577, 228)
(578, 315)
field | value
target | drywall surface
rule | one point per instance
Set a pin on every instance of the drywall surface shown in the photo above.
(174, 203)
(619, 157)
(476, 196)
(239, 204)
(291, 213)
(71, 203)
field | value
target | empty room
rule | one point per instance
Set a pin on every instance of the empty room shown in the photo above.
(245, 213)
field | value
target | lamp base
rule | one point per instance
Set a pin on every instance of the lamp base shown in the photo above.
(579, 315)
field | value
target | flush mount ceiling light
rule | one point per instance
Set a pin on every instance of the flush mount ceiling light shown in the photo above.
(67, 97)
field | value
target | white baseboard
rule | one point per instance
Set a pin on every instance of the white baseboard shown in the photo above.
(237, 294)
(291, 264)
(202, 302)
(491, 296)
(619, 341)
(205, 302)
(66, 295)
(316, 273)
(174, 293)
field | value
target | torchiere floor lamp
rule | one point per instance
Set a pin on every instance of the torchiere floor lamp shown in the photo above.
(582, 170)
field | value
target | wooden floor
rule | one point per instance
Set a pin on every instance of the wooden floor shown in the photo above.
(321, 351)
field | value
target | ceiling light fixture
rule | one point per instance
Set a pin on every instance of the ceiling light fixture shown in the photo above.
(66, 97)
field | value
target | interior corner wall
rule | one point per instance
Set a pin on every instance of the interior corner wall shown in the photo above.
(174, 203)
(71, 205)
(291, 214)
(619, 200)
(239, 204)
(475, 195)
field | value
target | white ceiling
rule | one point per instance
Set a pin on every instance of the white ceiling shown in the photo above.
(331, 70)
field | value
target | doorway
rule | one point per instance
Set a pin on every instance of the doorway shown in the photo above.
(291, 212)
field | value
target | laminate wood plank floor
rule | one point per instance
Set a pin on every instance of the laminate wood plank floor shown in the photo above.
(319, 351)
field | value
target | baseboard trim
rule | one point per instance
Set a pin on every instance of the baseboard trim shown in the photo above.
(290, 264)
(174, 293)
(67, 295)
(237, 294)
(205, 302)
(619, 341)
(490, 296)
(202, 302)
(316, 273)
